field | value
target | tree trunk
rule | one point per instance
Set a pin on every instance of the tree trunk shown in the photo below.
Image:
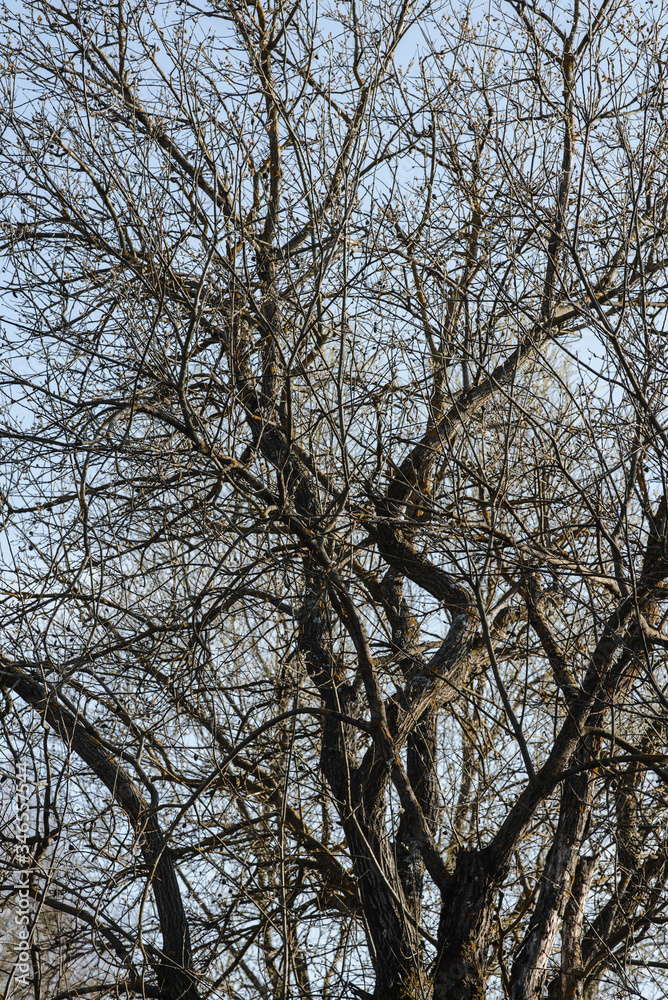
(530, 968)
(465, 928)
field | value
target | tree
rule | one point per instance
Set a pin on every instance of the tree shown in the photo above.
(335, 503)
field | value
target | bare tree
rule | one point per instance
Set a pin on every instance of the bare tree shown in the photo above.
(335, 504)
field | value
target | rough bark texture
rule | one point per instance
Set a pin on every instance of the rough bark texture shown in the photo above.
(530, 968)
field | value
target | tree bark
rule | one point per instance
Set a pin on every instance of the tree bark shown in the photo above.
(175, 975)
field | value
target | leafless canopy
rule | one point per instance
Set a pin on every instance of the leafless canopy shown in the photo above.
(334, 498)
